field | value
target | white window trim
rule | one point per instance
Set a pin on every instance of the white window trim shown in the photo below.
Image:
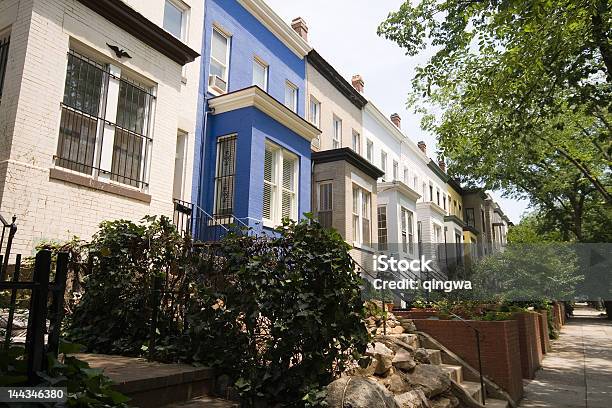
(409, 220)
(277, 205)
(383, 163)
(314, 101)
(186, 11)
(358, 243)
(336, 137)
(294, 104)
(265, 66)
(369, 150)
(355, 135)
(228, 36)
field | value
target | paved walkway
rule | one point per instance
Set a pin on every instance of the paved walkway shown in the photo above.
(577, 373)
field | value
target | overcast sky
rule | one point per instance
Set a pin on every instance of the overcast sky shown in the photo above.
(344, 33)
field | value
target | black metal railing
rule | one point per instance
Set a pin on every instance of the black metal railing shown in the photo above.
(192, 220)
(42, 307)
(478, 351)
(8, 232)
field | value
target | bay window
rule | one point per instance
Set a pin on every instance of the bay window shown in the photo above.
(280, 185)
(325, 204)
(361, 215)
(105, 123)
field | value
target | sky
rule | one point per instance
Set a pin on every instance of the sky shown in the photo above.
(344, 33)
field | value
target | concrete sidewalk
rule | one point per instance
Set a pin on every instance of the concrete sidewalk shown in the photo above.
(577, 373)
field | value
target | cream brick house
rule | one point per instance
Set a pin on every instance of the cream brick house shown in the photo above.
(97, 114)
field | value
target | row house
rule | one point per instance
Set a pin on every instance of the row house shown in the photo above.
(253, 162)
(97, 112)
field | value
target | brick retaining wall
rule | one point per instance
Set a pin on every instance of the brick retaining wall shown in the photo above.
(529, 342)
(500, 349)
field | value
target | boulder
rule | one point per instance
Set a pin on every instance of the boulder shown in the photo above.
(447, 401)
(398, 341)
(430, 378)
(358, 392)
(383, 356)
(412, 399)
(396, 330)
(422, 356)
(403, 360)
(395, 382)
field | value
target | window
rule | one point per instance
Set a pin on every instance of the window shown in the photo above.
(315, 111)
(179, 165)
(118, 150)
(383, 244)
(260, 74)
(175, 19)
(407, 231)
(280, 185)
(383, 163)
(219, 62)
(415, 181)
(430, 193)
(337, 139)
(437, 196)
(406, 176)
(395, 170)
(361, 215)
(4, 47)
(369, 150)
(437, 233)
(470, 218)
(324, 204)
(291, 96)
(356, 142)
(225, 176)
(444, 201)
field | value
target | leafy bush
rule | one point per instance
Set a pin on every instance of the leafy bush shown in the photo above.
(114, 313)
(286, 317)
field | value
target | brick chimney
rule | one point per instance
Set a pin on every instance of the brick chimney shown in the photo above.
(422, 146)
(358, 83)
(442, 164)
(397, 121)
(299, 26)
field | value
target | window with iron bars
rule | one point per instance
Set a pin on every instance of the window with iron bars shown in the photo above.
(4, 48)
(105, 123)
(225, 176)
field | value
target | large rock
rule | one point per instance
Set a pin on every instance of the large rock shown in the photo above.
(430, 378)
(358, 392)
(383, 356)
(396, 342)
(412, 399)
(395, 382)
(403, 360)
(447, 401)
(422, 356)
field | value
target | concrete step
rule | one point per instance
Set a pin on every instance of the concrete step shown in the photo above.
(473, 388)
(495, 403)
(150, 384)
(205, 402)
(435, 356)
(455, 372)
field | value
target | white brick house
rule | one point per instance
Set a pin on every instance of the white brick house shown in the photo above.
(87, 135)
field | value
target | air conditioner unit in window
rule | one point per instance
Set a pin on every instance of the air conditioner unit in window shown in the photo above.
(217, 83)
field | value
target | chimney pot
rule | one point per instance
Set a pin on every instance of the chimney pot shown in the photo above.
(397, 120)
(422, 146)
(299, 26)
(442, 164)
(358, 83)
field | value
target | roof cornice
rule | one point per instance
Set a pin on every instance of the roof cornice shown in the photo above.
(477, 191)
(134, 23)
(254, 96)
(438, 171)
(372, 109)
(455, 185)
(348, 155)
(433, 206)
(342, 85)
(401, 187)
(471, 229)
(272, 21)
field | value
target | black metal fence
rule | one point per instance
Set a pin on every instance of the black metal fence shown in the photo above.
(46, 302)
(8, 232)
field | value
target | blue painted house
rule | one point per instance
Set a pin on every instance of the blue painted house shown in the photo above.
(254, 164)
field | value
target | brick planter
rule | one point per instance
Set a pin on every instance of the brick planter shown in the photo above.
(544, 334)
(530, 343)
(500, 349)
(417, 313)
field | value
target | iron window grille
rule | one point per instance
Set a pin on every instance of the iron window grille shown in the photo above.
(225, 176)
(4, 48)
(84, 123)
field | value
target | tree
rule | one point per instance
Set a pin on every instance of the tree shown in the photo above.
(525, 89)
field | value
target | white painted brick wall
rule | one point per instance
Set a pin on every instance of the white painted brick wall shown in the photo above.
(41, 31)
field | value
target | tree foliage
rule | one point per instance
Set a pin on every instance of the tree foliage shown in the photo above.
(525, 91)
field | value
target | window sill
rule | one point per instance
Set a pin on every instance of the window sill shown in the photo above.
(363, 247)
(85, 181)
